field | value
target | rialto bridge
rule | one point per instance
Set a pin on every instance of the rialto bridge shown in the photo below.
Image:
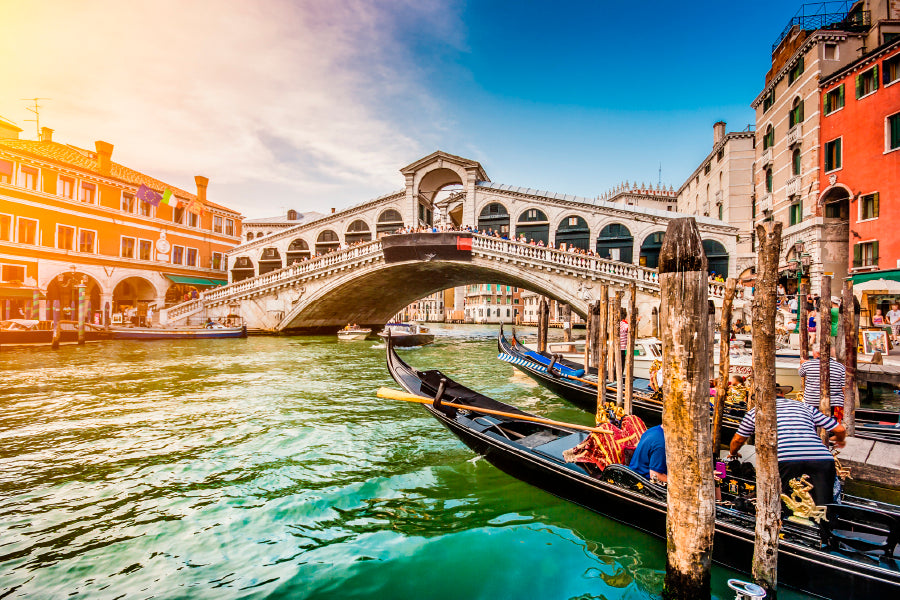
(320, 275)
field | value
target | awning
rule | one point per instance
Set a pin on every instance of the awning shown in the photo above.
(18, 292)
(889, 275)
(194, 280)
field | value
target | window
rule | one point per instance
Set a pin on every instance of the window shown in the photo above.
(833, 155)
(249, 236)
(87, 241)
(795, 161)
(6, 228)
(127, 202)
(217, 262)
(721, 212)
(769, 138)
(177, 255)
(191, 260)
(65, 237)
(145, 209)
(868, 207)
(145, 250)
(229, 226)
(12, 273)
(796, 212)
(217, 224)
(796, 115)
(178, 214)
(769, 100)
(706, 168)
(126, 247)
(892, 135)
(867, 82)
(769, 180)
(865, 254)
(28, 178)
(573, 221)
(66, 187)
(834, 100)
(27, 232)
(795, 71)
(88, 191)
(891, 68)
(6, 171)
(193, 219)
(720, 155)
(831, 52)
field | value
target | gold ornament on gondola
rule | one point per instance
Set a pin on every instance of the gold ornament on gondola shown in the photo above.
(801, 503)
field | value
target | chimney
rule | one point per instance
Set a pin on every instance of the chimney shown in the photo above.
(332, 210)
(104, 156)
(202, 182)
(46, 134)
(718, 132)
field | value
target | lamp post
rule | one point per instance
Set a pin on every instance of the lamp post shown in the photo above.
(802, 261)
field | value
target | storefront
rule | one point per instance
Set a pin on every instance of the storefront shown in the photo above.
(877, 291)
(185, 288)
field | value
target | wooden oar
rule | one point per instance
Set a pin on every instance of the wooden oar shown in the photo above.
(392, 394)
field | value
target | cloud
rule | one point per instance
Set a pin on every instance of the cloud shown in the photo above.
(321, 99)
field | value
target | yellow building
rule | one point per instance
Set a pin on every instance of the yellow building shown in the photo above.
(70, 215)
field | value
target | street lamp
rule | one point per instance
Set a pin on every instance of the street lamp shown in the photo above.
(801, 261)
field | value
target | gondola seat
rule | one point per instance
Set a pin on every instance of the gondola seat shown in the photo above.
(861, 529)
(627, 478)
(556, 448)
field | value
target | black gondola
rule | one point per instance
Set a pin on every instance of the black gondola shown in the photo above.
(861, 564)
(568, 381)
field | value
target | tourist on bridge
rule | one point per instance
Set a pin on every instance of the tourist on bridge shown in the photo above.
(800, 449)
(812, 387)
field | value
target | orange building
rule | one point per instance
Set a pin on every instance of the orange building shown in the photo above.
(70, 216)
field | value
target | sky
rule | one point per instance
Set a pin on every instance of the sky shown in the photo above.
(317, 104)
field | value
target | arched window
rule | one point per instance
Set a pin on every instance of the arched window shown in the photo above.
(769, 180)
(796, 114)
(358, 232)
(769, 138)
(615, 242)
(650, 250)
(327, 241)
(533, 224)
(388, 222)
(574, 231)
(297, 251)
(795, 161)
(494, 217)
(243, 269)
(716, 257)
(269, 260)
(249, 236)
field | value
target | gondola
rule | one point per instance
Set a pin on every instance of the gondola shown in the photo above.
(816, 559)
(569, 381)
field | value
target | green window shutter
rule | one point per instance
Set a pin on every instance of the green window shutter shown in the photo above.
(800, 112)
(875, 205)
(857, 255)
(875, 78)
(858, 86)
(841, 96)
(875, 252)
(826, 104)
(837, 153)
(895, 131)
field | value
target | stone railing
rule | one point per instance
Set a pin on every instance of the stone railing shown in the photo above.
(766, 158)
(795, 134)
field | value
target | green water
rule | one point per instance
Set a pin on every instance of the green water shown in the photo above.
(267, 468)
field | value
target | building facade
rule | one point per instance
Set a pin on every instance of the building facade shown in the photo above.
(722, 188)
(257, 228)
(71, 216)
(493, 303)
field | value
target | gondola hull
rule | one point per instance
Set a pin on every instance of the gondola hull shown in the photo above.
(802, 563)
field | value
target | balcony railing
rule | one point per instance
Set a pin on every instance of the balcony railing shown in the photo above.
(764, 203)
(718, 197)
(826, 15)
(793, 186)
(767, 156)
(795, 134)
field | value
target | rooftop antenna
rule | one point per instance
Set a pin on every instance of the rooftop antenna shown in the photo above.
(37, 116)
(659, 181)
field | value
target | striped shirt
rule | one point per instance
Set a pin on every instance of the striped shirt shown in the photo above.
(623, 335)
(797, 437)
(812, 389)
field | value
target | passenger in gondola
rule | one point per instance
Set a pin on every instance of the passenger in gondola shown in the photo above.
(649, 458)
(800, 449)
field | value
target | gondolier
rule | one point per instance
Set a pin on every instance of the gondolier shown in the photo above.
(809, 371)
(800, 449)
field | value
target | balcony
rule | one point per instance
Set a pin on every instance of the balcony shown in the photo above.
(764, 204)
(793, 186)
(767, 156)
(795, 134)
(718, 197)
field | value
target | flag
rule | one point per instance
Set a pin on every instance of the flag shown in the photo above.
(196, 207)
(170, 199)
(147, 195)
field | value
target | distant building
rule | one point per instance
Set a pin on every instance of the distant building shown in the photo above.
(492, 303)
(70, 215)
(257, 228)
(722, 188)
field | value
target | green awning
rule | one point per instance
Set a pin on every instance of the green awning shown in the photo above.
(890, 274)
(194, 280)
(18, 292)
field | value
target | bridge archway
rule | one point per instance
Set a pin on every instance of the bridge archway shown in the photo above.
(243, 269)
(534, 225)
(297, 251)
(389, 221)
(270, 260)
(358, 231)
(615, 242)
(64, 288)
(494, 216)
(716, 257)
(650, 248)
(327, 241)
(573, 231)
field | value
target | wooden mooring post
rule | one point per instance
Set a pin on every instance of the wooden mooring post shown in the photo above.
(597, 340)
(690, 519)
(851, 343)
(802, 292)
(823, 329)
(543, 324)
(724, 364)
(603, 346)
(567, 323)
(768, 481)
(588, 337)
(617, 344)
(629, 352)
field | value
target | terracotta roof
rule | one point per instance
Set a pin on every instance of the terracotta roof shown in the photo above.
(86, 160)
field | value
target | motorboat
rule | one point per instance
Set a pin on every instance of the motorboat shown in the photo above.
(646, 351)
(407, 335)
(352, 333)
(32, 332)
(210, 331)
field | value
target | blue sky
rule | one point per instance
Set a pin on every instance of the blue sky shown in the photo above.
(313, 105)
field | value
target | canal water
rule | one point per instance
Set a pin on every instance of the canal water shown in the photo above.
(267, 468)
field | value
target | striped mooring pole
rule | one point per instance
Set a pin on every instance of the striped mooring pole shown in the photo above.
(81, 308)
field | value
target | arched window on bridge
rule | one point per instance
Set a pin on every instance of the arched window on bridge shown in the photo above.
(249, 236)
(533, 224)
(650, 250)
(573, 231)
(358, 232)
(297, 251)
(327, 242)
(269, 260)
(716, 257)
(243, 269)
(494, 216)
(615, 242)
(389, 222)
